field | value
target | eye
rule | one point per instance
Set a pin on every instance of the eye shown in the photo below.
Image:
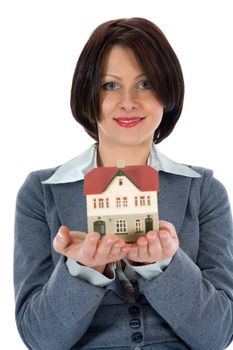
(110, 86)
(144, 84)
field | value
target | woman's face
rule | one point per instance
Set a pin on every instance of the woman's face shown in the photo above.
(129, 109)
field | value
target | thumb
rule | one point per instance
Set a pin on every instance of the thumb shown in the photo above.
(62, 240)
(167, 226)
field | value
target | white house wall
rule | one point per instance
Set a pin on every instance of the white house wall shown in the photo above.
(128, 190)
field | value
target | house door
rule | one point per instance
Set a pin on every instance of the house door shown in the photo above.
(99, 226)
(149, 224)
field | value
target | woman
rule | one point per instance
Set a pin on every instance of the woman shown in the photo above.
(172, 289)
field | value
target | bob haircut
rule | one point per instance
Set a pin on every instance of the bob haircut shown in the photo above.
(156, 58)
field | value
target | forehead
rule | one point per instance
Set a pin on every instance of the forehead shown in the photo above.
(119, 58)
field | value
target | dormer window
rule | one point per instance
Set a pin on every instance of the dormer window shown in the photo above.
(120, 182)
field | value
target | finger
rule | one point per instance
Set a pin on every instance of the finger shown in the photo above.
(78, 236)
(166, 243)
(62, 240)
(167, 226)
(133, 252)
(154, 247)
(89, 247)
(142, 247)
(119, 248)
(105, 246)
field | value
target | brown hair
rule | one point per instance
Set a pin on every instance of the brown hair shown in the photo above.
(155, 56)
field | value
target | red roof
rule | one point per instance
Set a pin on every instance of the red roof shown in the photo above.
(144, 177)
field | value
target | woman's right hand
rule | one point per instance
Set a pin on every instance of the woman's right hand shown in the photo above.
(90, 249)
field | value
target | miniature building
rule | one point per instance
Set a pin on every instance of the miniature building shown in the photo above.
(122, 200)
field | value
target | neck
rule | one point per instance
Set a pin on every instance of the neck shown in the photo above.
(133, 155)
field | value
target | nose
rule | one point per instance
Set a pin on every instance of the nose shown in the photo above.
(128, 101)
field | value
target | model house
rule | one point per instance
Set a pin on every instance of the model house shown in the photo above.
(122, 200)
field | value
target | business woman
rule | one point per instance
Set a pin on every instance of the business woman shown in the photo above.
(172, 289)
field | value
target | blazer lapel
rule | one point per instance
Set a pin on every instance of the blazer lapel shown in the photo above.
(173, 198)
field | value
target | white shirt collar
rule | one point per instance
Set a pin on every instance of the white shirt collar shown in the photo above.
(76, 168)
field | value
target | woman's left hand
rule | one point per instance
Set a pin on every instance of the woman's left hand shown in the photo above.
(155, 246)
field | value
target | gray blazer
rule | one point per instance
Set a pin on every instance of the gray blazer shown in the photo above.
(188, 306)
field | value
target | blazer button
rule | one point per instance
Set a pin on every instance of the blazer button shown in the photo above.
(134, 311)
(137, 337)
(135, 323)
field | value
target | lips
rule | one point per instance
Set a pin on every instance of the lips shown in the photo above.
(128, 122)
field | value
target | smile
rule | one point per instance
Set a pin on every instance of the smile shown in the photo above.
(128, 122)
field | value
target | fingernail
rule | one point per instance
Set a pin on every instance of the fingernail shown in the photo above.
(152, 237)
(60, 234)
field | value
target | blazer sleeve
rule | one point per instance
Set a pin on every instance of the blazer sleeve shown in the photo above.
(53, 308)
(196, 298)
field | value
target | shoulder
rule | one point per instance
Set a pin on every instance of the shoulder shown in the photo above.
(206, 177)
(33, 181)
(43, 174)
(212, 190)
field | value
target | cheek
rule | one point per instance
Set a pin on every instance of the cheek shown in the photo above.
(160, 113)
(157, 110)
(107, 105)
(153, 105)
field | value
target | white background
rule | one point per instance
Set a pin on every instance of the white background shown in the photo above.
(40, 43)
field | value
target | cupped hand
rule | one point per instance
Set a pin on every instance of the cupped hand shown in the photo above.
(90, 249)
(155, 246)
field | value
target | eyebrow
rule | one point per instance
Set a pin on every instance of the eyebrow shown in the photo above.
(115, 76)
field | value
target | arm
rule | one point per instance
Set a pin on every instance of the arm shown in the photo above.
(196, 300)
(52, 307)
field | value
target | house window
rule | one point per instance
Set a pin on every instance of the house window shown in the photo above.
(138, 225)
(107, 202)
(120, 182)
(101, 203)
(121, 226)
(142, 201)
(118, 202)
(136, 201)
(94, 203)
(148, 200)
(125, 202)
